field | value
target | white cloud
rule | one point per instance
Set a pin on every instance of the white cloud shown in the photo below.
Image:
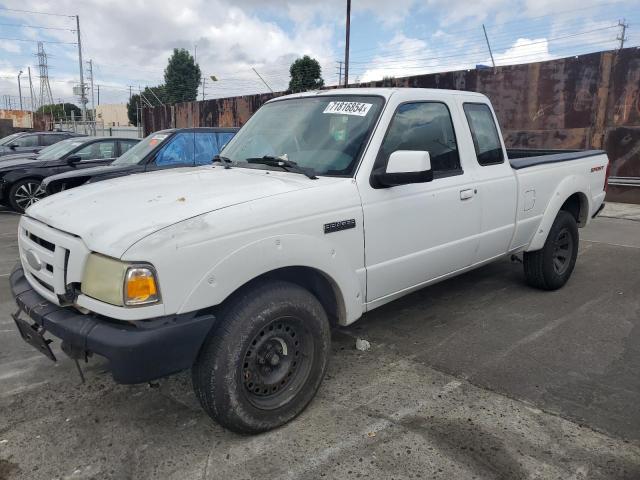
(9, 46)
(524, 50)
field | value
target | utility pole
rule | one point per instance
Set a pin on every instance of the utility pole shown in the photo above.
(83, 99)
(346, 45)
(260, 77)
(130, 92)
(339, 62)
(98, 88)
(489, 46)
(203, 80)
(93, 105)
(33, 102)
(20, 89)
(623, 25)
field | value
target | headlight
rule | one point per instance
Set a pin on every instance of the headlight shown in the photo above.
(119, 283)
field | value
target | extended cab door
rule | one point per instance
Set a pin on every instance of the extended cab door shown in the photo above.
(495, 181)
(418, 232)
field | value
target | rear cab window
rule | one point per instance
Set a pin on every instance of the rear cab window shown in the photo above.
(484, 133)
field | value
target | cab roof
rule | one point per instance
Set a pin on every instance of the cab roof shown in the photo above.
(383, 92)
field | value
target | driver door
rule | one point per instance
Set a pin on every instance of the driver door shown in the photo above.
(419, 232)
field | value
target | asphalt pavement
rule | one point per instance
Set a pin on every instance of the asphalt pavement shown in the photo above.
(476, 377)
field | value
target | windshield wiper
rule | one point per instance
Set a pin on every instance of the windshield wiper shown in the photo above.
(286, 165)
(226, 162)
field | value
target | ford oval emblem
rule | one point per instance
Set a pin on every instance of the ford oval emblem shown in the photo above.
(33, 260)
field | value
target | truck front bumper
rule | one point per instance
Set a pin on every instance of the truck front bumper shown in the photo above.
(137, 352)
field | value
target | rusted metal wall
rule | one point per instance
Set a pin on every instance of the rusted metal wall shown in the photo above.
(588, 101)
(21, 118)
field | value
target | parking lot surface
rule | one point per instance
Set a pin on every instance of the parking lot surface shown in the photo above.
(477, 377)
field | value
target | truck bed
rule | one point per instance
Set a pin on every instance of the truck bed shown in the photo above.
(523, 158)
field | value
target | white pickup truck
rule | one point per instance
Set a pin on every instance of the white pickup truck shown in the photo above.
(323, 207)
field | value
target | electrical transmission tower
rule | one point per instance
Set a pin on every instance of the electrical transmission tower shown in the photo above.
(45, 98)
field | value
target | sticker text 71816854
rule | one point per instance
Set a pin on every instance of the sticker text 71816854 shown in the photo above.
(348, 108)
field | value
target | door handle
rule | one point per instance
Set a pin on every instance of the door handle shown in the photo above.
(466, 194)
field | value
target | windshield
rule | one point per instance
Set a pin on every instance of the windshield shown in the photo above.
(7, 140)
(138, 152)
(59, 149)
(325, 133)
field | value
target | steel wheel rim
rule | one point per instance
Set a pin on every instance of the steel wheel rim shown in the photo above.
(562, 251)
(276, 363)
(27, 194)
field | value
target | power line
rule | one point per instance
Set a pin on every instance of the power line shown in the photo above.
(506, 45)
(35, 26)
(36, 13)
(33, 41)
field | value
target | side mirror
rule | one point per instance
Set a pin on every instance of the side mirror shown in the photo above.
(404, 167)
(13, 146)
(73, 160)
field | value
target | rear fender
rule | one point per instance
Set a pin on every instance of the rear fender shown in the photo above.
(567, 187)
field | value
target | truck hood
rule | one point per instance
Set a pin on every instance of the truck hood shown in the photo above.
(112, 215)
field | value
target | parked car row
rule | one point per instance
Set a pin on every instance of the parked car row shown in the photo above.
(32, 142)
(27, 177)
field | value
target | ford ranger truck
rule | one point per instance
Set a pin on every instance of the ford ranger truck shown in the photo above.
(324, 206)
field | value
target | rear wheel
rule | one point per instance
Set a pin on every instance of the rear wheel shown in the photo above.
(25, 193)
(551, 267)
(265, 359)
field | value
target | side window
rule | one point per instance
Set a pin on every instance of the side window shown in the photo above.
(126, 145)
(484, 133)
(206, 146)
(423, 126)
(107, 149)
(96, 151)
(179, 151)
(26, 141)
(51, 139)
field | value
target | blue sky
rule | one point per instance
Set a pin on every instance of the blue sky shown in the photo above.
(129, 41)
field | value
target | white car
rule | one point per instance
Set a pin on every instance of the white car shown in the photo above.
(324, 206)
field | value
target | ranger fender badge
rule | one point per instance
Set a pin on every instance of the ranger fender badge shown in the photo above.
(341, 225)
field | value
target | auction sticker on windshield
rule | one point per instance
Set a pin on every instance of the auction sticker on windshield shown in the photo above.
(157, 139)
(348, 108)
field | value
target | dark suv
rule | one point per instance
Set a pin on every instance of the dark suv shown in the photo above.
(31, 142)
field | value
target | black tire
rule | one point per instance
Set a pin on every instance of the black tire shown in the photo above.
(275, 334)
(551, 267)
(24, 193)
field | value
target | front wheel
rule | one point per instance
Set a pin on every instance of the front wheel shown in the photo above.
(25, 193)
(551, 267)
(265, 358)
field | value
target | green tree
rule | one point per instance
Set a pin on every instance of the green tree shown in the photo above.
(306, 74)
(181, 77)
(151, 97)
(61, 110)
(132, 107)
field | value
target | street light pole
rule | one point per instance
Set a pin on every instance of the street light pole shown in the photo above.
(20, 89)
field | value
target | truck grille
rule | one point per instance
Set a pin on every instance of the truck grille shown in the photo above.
(45, 254)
